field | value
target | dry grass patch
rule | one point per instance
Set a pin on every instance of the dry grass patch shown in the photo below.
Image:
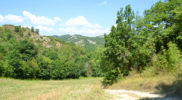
(81, 89)
(144, 83)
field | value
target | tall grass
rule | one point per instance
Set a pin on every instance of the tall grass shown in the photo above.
(163, 82)
(81, 89)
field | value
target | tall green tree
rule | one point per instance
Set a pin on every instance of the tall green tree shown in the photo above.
(116, 61)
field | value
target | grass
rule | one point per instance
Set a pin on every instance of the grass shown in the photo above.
(80, 89)
(168, 83)
(143, 83)
(163, 82)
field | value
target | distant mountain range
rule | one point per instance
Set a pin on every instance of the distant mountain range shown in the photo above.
(90, 43)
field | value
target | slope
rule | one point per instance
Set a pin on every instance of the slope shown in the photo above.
(25, 54)
(90, 43)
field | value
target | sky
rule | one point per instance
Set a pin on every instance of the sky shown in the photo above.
(60, 17)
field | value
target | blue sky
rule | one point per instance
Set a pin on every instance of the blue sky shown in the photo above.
(59, 17)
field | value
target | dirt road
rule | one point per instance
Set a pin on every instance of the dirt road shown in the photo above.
(137, 95)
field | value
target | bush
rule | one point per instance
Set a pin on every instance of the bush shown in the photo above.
(17, 28)
(167, 60)
(1, 67)
(9, 70)
(159, 63)
(45, 67)
(27, 49)
(173, 56)
(32, 29)
(37, 31)
(72, 69)
(58, 70)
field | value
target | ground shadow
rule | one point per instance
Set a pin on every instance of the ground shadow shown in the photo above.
(171, 92)
(174, 97)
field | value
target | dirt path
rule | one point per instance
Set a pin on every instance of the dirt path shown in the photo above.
(137, 95)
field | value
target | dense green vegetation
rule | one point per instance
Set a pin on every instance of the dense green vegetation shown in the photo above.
(138, 43)
(89, 43)
(25, 54)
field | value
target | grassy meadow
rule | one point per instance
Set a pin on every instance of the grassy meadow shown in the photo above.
(78, 89)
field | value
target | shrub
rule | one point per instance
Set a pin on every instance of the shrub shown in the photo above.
(167, 60)
(32, 29)
(159, 63)
(17, 28)
(45, 67)
(37, 31)
(58, 70)
(173, 56)
(1, 67)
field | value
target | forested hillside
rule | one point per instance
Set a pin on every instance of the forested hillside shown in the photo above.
(90, 43)
(152, 42)
(25, 54)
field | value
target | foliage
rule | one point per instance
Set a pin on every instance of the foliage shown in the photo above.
(37, 31)
(18, 30)
(118, 47)
(32, 29)
(95, 62)
(30, 56)
(167, 60)
(140, 42)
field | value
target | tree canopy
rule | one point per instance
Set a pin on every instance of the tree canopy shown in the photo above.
(136, 41)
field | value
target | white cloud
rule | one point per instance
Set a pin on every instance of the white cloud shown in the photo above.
(40, 20)
(44, 28)
(11, 18)
(81, 21)
(78, 21)
(51, 26)
(14, 18)
(83, 31)
(80, 25)
(57, 19)
(1, 18)
(27, 26)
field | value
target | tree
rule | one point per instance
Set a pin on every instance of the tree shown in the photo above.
(58, 71)
(13, 64)
(17, 28)
(1, 66)
(27, 49)
(45, 67)
(162, 18)
(173, 56)
(116, 60)
(37, 31)
(32, 29)
(95, 62)
(134, 43)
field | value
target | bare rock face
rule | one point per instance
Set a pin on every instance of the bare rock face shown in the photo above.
(58, 44)
(81, 43)
(92, 42)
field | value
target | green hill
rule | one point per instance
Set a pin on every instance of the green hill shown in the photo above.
(25, 54)
(90, 43)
